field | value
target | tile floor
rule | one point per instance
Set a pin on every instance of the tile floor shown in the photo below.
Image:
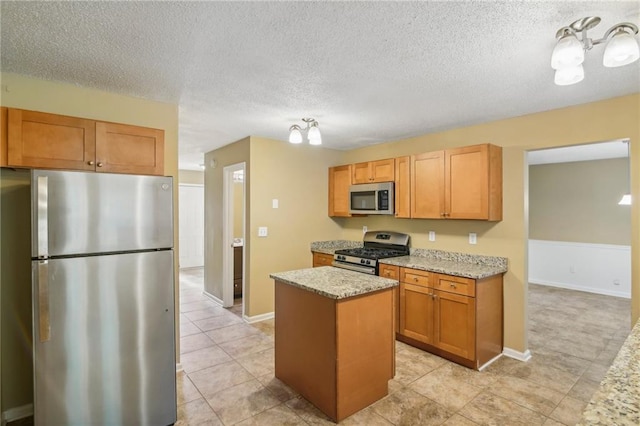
(228, 375)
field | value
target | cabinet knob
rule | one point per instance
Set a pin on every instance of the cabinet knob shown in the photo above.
(452, 285)
(99, 164)
(415, 279)
(91, 163)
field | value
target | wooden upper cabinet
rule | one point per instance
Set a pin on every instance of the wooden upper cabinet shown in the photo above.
(473, 182)
(41, 140)
(3, 136)
(460, 183)
(122, 148)
(374, 171)
(339, 183)
(403, 187)
(51, 141)
(427, 185)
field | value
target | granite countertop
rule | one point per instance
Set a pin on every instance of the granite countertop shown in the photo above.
(335, 283)
(617, 400)
(451, 263)
(329, 247)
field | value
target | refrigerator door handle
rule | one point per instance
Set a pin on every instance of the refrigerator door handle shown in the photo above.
(43, 216)
(44, 324)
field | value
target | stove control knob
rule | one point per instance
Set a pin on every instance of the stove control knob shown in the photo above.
(368, 262)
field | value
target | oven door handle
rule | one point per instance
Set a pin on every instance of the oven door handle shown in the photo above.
(357, 268)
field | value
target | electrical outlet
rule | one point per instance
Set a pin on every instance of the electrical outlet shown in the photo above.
(274, 203)
(432, 236)
(572, 269)
(473, 238)
(616, 282)
(262, 231)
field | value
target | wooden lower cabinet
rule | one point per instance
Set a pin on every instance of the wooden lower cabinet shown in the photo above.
(457, 318)
(322, 259)
(237, 272)
(337, 353)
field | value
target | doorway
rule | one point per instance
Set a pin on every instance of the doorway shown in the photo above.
(234, 242)
(191, 226)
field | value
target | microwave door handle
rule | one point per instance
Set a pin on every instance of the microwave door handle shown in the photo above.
(43, 216)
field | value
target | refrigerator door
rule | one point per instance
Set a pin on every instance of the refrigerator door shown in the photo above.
(104, 340)
(77, 213)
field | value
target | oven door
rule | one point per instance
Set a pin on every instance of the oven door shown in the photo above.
(371, 270)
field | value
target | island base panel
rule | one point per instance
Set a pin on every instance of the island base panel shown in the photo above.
(338, 354)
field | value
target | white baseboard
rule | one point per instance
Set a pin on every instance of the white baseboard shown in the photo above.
(214, 298)
(520, 356)
(258, 318)
(17, 413)
(604, 292)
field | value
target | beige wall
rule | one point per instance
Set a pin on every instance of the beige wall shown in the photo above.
(191, 177)
(238, 201)
(297, 177)
(606, 120)
(578, 202)
(47, 96)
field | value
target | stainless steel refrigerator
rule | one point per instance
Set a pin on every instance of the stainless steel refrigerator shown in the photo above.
(103, 299)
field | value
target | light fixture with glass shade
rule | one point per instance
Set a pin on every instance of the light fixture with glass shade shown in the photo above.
(626, 198)
(568, 54)
(312, 130)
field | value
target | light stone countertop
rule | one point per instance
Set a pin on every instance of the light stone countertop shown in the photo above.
(329, 247)
(617, 400)
(450, 267)
(335, 283)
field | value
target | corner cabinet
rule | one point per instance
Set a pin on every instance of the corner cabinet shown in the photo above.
(374, 171)
(454, 317)
(51, 141)
(461, 183)
(339, 183)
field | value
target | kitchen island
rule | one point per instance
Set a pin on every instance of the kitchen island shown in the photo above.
(334, 337)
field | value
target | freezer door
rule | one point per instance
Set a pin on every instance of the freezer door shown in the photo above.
(78, 213)
(104, 340)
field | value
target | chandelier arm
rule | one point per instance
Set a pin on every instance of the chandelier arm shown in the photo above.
(624, 25)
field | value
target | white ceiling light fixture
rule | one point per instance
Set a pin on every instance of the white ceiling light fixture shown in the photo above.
(312, 130)
(568, 55)
(626, 198)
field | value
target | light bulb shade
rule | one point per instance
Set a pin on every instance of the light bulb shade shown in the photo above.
(567, 53)
(625, 200)
(314, 135)
(295, 136)
(621, 50)
(567, 76)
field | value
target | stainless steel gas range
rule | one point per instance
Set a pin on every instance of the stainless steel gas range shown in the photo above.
(377, 245)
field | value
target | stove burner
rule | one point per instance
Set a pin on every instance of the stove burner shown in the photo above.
(371, 253)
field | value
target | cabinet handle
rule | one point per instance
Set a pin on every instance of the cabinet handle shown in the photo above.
(452, 285)
(99, 164)
(91, 163)
(415, 279)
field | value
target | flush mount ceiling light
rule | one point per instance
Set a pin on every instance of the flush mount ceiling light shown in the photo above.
(312, 131)
(568, 55)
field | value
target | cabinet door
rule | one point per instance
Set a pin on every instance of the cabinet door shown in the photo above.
(339, 183)
(382, 170)
(416, 312)
(393, 272)
(122, 148)
(467, 182)
(3, 136)
(361, 173)
(403, 187)
(322, 259)
(427, 185)
(454, 323)
(49, 141)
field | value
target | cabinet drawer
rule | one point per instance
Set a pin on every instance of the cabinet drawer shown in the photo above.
(457, 285)
(389, 271)
(414, 276)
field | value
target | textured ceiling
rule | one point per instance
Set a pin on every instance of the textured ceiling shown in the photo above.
(369, 72)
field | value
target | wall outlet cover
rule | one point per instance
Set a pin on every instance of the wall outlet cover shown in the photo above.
(432, 236)
(473, 238)
(262, 231)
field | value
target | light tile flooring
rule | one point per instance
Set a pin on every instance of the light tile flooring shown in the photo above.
(228, 375)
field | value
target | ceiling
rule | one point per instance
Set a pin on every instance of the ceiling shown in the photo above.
(369, 72)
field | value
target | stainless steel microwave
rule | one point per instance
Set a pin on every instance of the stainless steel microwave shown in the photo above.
(371, 198)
